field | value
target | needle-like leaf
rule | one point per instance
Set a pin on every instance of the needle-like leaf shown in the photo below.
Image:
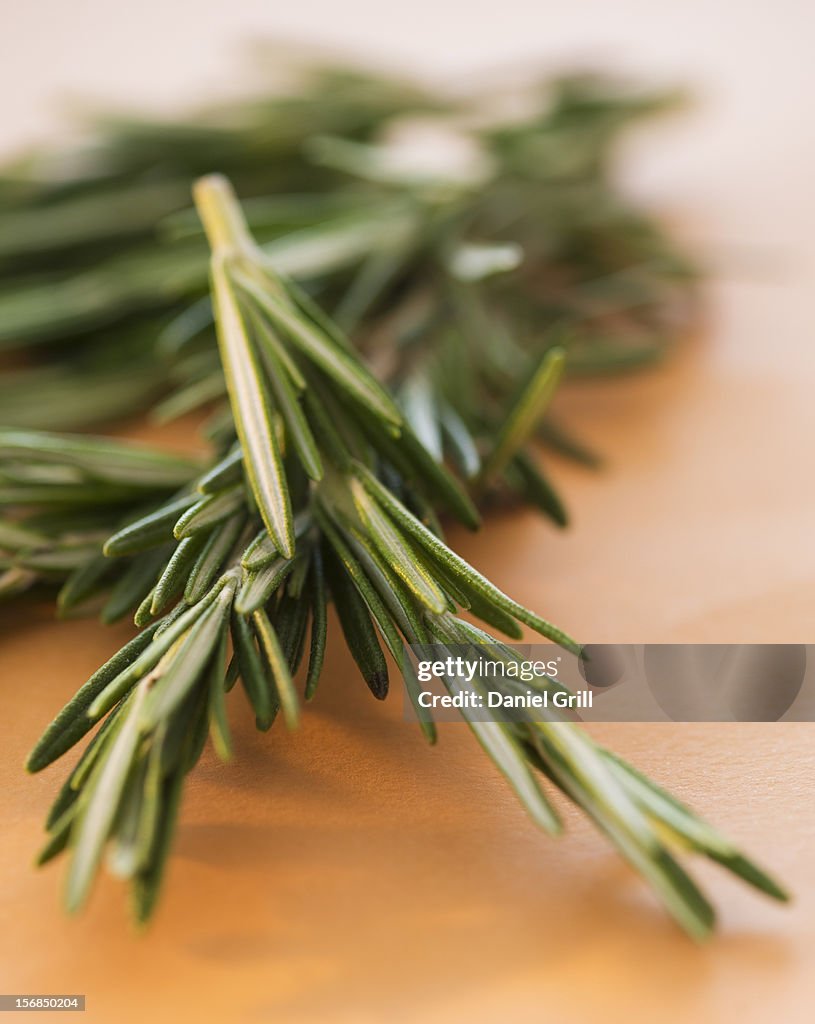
(525, 415)
(262, 458)
(98, 810)
(276, 662)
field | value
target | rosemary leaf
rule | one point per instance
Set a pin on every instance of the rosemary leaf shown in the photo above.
(526, 414)
(287, 400)
(276, 662)
(229, 470)
(531, 481)
(149, 530)
(212, 557)
(346, 372)
(147, 884)
(218, 722)
(176, 572)
(257, 587)
(72, 723)
(111, 461)
(260, 552)
(82, 582)
(290, 622)
(159, 646)
(135, 585)
(319, 623)
(58, 837)
(466, 576)
(359, 632)
(209, 511)
(395, 552)
(98, 811)
(251, 411)
(252, 673)
(190, 659)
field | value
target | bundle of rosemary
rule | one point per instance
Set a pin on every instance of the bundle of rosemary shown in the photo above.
(465, 297)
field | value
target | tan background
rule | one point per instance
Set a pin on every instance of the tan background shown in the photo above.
(348, 873)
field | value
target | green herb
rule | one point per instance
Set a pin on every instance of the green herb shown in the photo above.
(333, 457)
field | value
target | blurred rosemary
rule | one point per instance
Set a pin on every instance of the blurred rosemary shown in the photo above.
(387, 340)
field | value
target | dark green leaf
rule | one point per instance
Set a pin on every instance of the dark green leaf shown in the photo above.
(150, 530)
(72, 723)
(359, 631)
(212, 557)
(209, 511)
(253, 674)
(276, 662)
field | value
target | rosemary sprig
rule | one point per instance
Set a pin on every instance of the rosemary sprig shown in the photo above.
(321, 489)
(419, 265)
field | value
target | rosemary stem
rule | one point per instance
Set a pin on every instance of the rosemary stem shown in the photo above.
(221, 214)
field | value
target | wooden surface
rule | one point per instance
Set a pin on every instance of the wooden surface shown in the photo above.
(348, 873)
